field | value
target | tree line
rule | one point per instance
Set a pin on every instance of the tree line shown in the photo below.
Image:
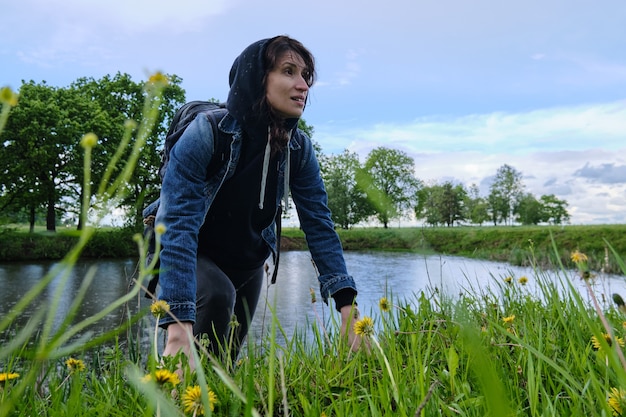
(41, 178)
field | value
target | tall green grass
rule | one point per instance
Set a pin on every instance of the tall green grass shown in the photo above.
(498, 351)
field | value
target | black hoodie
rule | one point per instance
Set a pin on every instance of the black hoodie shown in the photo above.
(231, 234)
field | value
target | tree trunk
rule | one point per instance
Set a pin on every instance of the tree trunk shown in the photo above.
(31, 219)
(51, 216)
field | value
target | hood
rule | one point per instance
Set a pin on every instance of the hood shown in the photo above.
(246, 87)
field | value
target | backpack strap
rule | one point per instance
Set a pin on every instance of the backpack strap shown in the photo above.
(221, 145)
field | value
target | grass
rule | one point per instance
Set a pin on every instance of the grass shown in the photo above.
(496, 352)
(503, 352)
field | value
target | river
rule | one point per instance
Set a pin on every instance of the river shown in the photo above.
(399, 276)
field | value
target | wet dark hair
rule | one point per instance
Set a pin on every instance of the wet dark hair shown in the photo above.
(276, 49)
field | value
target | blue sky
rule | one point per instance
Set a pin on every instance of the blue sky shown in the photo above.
(462, 87)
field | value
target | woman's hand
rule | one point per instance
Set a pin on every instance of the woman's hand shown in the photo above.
(349, 316)
(178, 340)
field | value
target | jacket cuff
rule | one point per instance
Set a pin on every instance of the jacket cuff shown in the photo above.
(185, 312)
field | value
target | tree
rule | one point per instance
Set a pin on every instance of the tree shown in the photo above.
(476, 207)
(123, 99)
(347, 202)
(505, 191)
(554, 210)
(388, 180)
(528, 210)
(441, 204)
(41, 147)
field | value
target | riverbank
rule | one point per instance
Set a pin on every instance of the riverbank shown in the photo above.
(517, 245)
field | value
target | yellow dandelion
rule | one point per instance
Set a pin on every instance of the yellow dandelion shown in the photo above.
(89, 140)
(159, 308)
(508, 280)
(509, 319)
(7, 376)
(384, 305)
(162, 377)
(160, 229)
(75, 365)
(158, 78)
(7, 96)
(192, 400)
(595, 342)
(364, 327)
(523, 280)
(579, 257)
(617, 400)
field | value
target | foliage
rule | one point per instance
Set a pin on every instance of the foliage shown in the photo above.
(347, 202)
(387, 178)
(504, 193)
(41, 155)
(442, 204)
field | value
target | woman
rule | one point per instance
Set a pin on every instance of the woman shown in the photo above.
(221, 230)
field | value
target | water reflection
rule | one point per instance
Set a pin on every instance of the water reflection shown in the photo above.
(399, 275)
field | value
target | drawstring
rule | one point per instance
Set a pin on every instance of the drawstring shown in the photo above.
(286, 192)
(266, 164)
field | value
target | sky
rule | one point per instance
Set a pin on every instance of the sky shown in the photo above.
(462, 87)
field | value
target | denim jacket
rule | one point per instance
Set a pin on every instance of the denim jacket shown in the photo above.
(187, 194)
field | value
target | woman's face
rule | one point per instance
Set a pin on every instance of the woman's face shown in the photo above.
(287, 86)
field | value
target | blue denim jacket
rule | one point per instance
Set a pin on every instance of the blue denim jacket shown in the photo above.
(187, 194)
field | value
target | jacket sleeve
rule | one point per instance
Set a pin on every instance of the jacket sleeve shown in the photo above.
(183, 206)
(309, 195)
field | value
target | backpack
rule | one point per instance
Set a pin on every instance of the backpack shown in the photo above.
(221, 154)
(183, 118)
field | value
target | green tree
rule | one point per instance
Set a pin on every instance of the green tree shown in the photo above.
(554, 209)
(389, 182)
(347, 202)
(528, 210)
(428, 205)
(441, 204)
(41, 148)
(505, 191)
(122, 99)
(476, 207)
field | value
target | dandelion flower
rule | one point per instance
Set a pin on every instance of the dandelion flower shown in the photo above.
(607, 338)
(162, 377)
(192, 400)
(89, 140)
(509, 319)
(7, 96)
(384, 305)
(617, 400)
(523, 280)
(159, 308)
(364, 327)
(508, 280)
(7, 376)
(160, 229)
(158, 78)
(75, 365)
(579, 257)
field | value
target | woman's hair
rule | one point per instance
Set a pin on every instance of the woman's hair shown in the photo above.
(275, 50)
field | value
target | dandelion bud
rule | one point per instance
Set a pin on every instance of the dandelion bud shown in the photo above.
(89, 140)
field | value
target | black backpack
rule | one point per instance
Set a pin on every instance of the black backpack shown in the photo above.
(221, 154)
(183, 118)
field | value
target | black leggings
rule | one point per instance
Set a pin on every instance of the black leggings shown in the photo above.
(221, 294)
